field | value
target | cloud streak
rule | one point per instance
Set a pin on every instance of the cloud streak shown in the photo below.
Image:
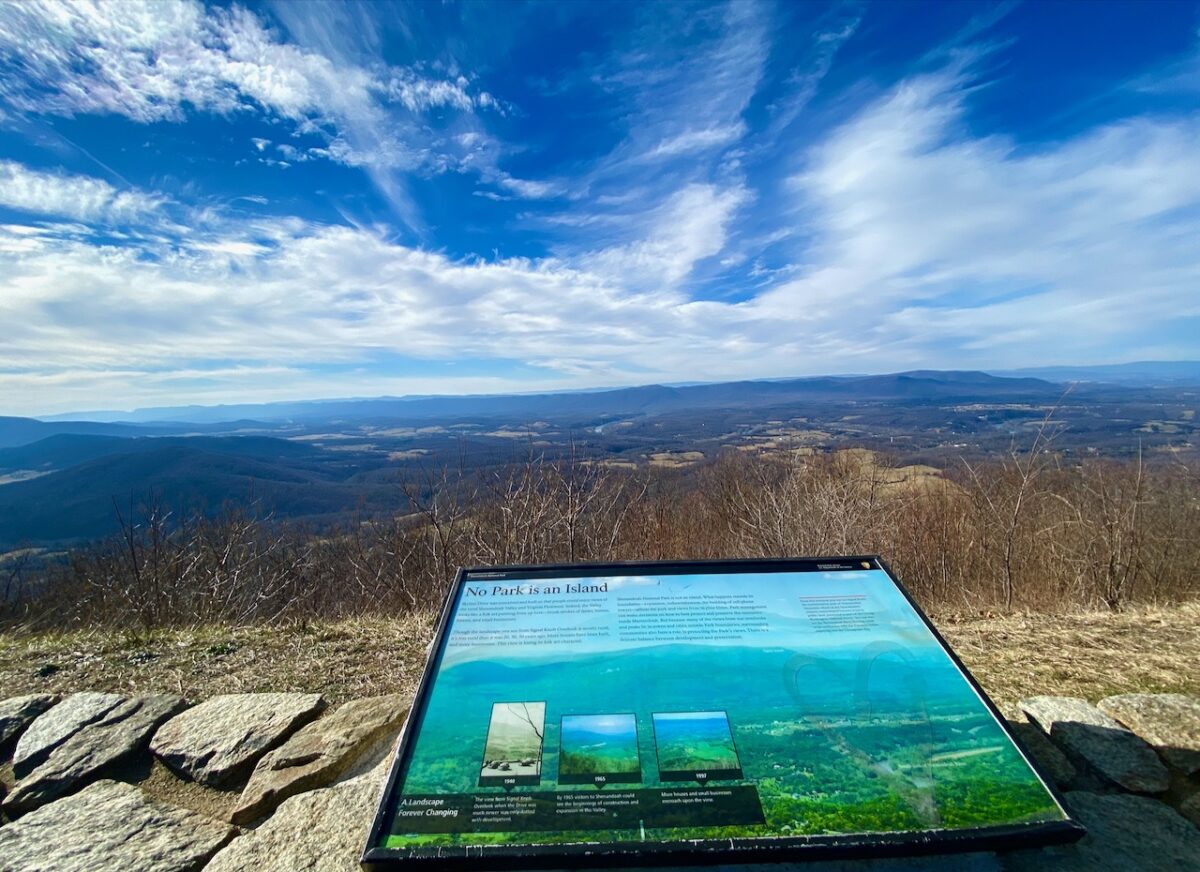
(81, 198)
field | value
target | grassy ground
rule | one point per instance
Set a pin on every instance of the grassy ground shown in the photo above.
(343, 660)
(1088, 654)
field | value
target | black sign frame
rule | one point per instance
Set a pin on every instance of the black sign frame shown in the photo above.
(706, 852)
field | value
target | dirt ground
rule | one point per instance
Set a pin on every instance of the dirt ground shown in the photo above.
(1088, 654)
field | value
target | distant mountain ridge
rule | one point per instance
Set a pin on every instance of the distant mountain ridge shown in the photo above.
(647, 399)
(1145, 372)
(69, 449)
(80, 499)
(22, 431)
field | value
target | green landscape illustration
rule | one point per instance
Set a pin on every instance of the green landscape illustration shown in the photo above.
(514, 739)
(694, 741)
(598, 745)
(836, 739)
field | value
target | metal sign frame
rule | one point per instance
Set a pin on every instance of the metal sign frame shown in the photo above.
(696, 852)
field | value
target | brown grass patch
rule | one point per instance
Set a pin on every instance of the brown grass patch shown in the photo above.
(343, 660)
(675, 459)
(1087, 654)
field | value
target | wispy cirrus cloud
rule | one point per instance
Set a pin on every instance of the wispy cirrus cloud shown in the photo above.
(158, 61)
(805, 81)
(694, 140)
(664, 199)
(61, 195)
(692, 225)
(927, 235)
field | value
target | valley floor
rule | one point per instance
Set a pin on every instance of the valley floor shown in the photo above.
(1086, 654)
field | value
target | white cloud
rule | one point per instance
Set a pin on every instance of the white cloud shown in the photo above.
(79, 197)
(531, 189)
(694, 140)
(419, 94)
(149, 60)
(691, 226)
(301, 295)
(232, 247)
(688, 76)
(293, 154)
(667, 196)
(156, 61)
(936, 241)
(805, 82)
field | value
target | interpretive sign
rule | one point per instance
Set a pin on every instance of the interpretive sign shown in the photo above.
(670, 713)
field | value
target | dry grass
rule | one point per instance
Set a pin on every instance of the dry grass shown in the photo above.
(1088, 654)
(342, 660)
(676, 459)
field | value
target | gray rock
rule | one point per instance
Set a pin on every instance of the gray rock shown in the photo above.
(110, 826)
(222, 738)
(19, 712)
(58, 724)
(1190, 808)
(1045, 753)
(1170, 722)
(1081, 729)
(1124, 832)
(323, 830)
(125, 730)
(318, 753)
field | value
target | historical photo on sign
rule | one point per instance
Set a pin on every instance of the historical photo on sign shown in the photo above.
(695, 746)
(598, 749)
(513, 753)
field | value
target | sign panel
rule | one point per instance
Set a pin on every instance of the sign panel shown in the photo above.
(696, 712)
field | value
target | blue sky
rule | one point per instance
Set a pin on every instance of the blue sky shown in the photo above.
(228, 203)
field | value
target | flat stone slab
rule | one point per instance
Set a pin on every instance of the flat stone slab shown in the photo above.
(323, 830)
(1170, 722)
(111, 826)
(57, 724)
(1124, 832)
(1079, 728)
(319, 753)
(19, 712)
(222, 738)
(125, 730)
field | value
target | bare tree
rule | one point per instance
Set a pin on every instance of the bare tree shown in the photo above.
(1006, 500)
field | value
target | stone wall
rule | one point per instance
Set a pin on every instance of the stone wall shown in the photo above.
(262, 781)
